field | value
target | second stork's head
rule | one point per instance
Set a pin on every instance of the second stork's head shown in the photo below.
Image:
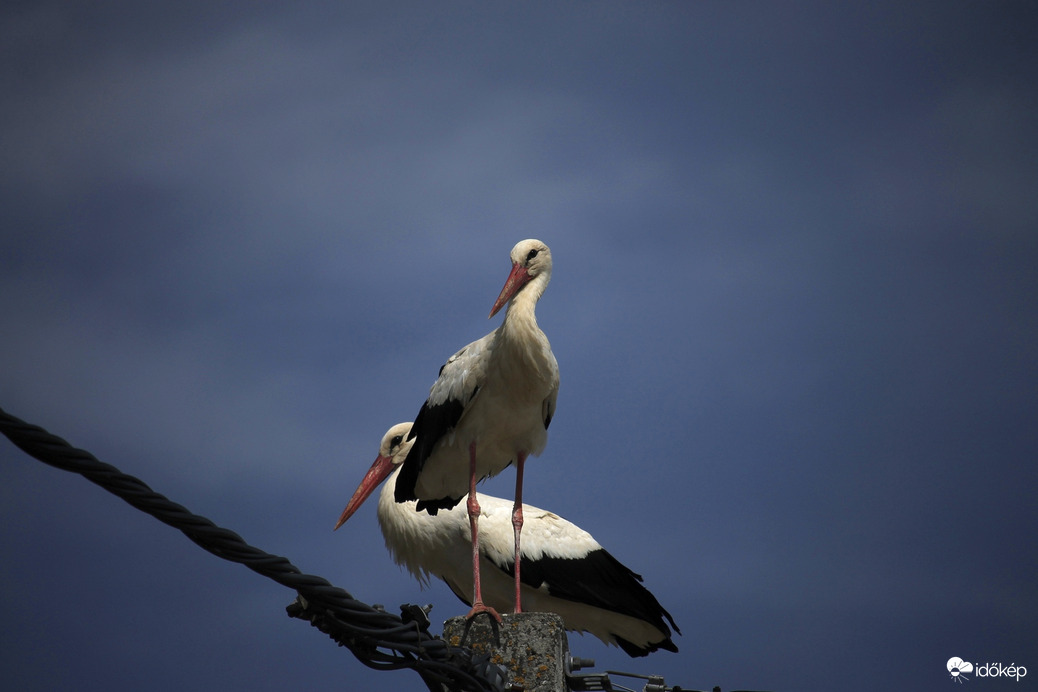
(391, 453)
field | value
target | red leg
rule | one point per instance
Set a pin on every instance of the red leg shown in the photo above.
(517, 520)
(473, 507)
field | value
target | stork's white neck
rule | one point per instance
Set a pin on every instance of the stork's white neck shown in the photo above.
(522, 308)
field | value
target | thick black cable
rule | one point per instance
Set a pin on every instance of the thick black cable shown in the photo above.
(378, 639)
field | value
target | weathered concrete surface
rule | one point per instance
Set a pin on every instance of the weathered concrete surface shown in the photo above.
(532, 647)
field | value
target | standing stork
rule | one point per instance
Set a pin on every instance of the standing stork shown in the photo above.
(490, 407)
(564, 569)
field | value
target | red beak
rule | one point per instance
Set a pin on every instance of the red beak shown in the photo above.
(518, 278)
(382, 467)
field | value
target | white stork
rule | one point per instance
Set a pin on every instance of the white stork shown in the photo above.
(490, 407)
(564, 570)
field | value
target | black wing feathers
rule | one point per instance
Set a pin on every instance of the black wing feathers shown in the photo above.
(432, 423)
(599, 579)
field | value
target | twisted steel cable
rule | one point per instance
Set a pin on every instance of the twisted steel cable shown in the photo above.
(378, 639)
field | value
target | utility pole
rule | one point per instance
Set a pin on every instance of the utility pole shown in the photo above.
(532, 647)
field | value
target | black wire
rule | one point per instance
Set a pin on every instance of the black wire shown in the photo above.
(365, 631)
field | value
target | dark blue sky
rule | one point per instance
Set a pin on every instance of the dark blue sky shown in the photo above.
(794, 305)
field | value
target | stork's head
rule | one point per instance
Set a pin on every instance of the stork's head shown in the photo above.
(391, 453)
(530, 259)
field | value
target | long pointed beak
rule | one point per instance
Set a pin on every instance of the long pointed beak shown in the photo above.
(517, 278)
(382, 467)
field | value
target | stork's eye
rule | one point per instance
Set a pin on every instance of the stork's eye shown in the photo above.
(530, 255)
(395, 442)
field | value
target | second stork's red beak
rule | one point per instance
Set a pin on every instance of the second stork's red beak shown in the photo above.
(378, 472)
(517, 278)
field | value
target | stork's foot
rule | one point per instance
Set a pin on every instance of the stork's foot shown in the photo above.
(478, 608)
